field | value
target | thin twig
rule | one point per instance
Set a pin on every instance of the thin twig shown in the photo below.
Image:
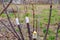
(5, 7)
(10, 22)
(36, 25)
(45, 37)
(57, 31)
(8, 28)
(33, 15)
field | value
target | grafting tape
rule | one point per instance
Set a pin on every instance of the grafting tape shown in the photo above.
(17, 21)
(27, 19)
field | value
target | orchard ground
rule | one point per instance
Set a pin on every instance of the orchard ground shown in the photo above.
(41, 13)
